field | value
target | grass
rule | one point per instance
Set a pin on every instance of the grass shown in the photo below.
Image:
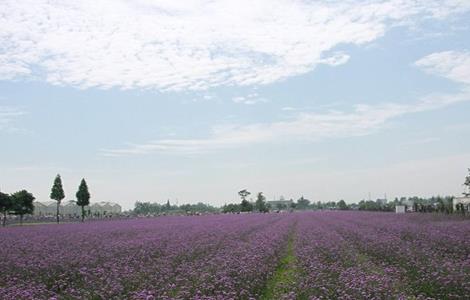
(283, 280)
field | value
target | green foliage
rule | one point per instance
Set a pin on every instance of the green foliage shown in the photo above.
(243, 194)
(22, 203)
(198, 207)
(302, 203)
(231, 208)
(246, 206)
(5, 206)
(342, 205)
(284, 278)
(57, 191)
(260, 204)
(5, 202)
(155, 208)
(83, 195)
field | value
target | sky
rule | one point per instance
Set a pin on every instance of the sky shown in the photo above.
(195, 100)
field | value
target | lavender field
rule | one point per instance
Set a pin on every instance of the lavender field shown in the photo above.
(312, 255)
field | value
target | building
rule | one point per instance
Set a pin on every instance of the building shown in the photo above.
(400, 209)
(105, 208)
(381, 202)
(280, 204)
(45, 208)
(462, 200)
(70, 208)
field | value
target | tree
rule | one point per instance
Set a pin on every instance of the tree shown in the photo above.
(302, 203)
(467, 185)
(342, 205)
(245, 204)
(260, 203)
(292, 204)
(83, 197)
(57, 193)
(231, 208)
(5, 206)
(243, 194)
(22, 204)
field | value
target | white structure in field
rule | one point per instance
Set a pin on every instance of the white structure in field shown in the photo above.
(462, 200)
(281, 204)
(49, 208)
(400, 209)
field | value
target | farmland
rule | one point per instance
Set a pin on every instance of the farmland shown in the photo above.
(311, 255)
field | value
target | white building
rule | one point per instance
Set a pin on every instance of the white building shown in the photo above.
(400, 209)
(463, 200)
(49, 208)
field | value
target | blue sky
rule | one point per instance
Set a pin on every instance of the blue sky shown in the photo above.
(194, 100)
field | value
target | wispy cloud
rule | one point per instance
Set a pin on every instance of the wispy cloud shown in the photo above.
(195, 44)
(250, 99)
(454, 65)
(361, 120)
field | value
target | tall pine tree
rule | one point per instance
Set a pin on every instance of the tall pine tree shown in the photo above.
(83, 197)
(57, 193)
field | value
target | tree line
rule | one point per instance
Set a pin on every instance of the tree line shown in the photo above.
(149, 208)
(21, 203)
(432, 204)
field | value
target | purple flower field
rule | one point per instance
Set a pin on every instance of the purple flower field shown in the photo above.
(332, 255)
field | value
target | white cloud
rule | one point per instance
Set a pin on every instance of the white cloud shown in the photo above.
(250, 99)
(362, 120)
(454, 65)
(194, 44)
(336, 59)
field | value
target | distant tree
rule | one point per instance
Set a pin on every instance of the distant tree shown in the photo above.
(147, 208)
(467, 184)
(57, 193)
(245, 205)
(292, 204)
(83, 197)
(302, 203)
(320, 205)
(231, 208)
(5, 206)
(168, 205)
(22, 204)
(243, 194)
(342, 205)
(260, 203)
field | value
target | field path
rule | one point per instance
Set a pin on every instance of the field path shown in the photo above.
(282, 283)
